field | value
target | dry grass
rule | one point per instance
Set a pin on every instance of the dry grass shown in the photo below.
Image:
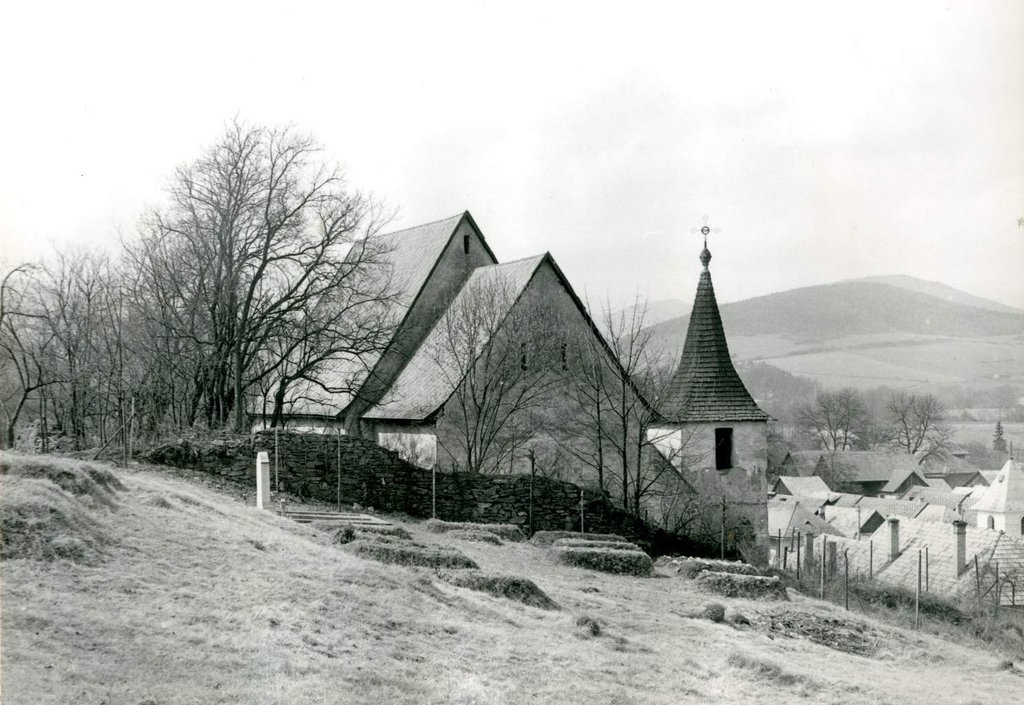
(587, 543)
(692, 567)
(508, 532)
(472, 535)
(212, 601)
(754, 587)
(606, 560)
(546, 538)
(509, 587)
(409, 554)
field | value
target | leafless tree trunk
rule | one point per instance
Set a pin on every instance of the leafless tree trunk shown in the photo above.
(917, 425)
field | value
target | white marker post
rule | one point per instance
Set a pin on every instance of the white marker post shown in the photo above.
(262, 480)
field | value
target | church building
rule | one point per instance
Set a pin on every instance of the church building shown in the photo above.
(710, 429)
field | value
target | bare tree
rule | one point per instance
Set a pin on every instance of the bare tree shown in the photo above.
(501, 353)
(835, 418)
(917, 426)
(258, 236)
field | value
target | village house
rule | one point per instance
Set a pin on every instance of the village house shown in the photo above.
(806, 486)
(957, 561)
(870, 472)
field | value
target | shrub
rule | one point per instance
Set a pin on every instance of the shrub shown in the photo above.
(409, 554)
(589, 625)
(397, 532)
(510, 587)
(345, 534)
(587, 543)
(546, 538)
(714, 611)
(692, 567)
(508, 532)
(733, 585)
(606, 560)
(473, 535)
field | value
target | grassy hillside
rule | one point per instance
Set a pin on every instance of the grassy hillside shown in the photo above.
(141, 588)
(941, 291)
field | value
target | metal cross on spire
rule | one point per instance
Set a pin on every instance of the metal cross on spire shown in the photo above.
(705, 230)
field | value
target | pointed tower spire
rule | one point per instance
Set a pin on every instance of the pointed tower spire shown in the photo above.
(706, 386)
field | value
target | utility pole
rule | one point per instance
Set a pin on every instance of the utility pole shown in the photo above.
(723, 527)
(533, 473)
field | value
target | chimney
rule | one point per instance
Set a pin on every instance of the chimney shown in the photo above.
(894, 538)
(960, 532)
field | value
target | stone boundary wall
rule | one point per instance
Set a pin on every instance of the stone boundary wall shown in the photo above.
(308, 466)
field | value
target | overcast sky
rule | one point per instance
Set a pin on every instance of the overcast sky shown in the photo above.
(825, 141)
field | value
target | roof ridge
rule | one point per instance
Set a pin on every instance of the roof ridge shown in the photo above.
(424, 225)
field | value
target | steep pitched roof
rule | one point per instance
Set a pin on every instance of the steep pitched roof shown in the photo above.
(850, 521)
(1006, 493)
(804, 462)
(408, 259)
(706, 386)
(901, 477)
(424, 383)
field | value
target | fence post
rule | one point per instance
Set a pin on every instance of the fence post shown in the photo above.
(871, 560)
(927, 570)
(582, 529)
(917, 594)
(433, 491)
(846, 577)
(785, 556)
(533, 472)
(797, 559)
(339, 471)
(277, 480)
(824, 550)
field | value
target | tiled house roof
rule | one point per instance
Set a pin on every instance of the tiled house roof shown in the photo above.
(803, 462)
(851, 522)
(1006, 493)
(870, 465)
(943, 577)
(787, 518)
(706, 387)
(808, 486)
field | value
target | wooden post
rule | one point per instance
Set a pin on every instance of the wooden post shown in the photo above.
(917, 594)
(533, 473)
(927, 570)
(797, 559)
(339, 469)
(824, 548)
(977, 579)
(277, 478)
(846, 577)
(871, 560)
(778, 557)
(785, 556)
(582, 528)
(433, 491)
(131, 429)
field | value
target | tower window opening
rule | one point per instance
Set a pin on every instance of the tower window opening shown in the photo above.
(465, 244)
(565, 359)
(723, 448)
(991, 522)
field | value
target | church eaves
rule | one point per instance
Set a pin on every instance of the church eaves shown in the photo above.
(706, 387)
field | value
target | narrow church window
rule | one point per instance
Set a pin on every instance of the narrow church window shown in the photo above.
(723, 448)
(1022, 526)
(522, 356)
(465, 243)
(990, 522)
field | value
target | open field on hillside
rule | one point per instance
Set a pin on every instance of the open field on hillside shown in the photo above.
(185, 595)
(981, 432)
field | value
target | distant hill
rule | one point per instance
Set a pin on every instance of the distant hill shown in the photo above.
(940, 291)
(868, 333)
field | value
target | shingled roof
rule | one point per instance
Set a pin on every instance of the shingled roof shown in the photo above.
(706, 386)
(425, 383)
(408, 259)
